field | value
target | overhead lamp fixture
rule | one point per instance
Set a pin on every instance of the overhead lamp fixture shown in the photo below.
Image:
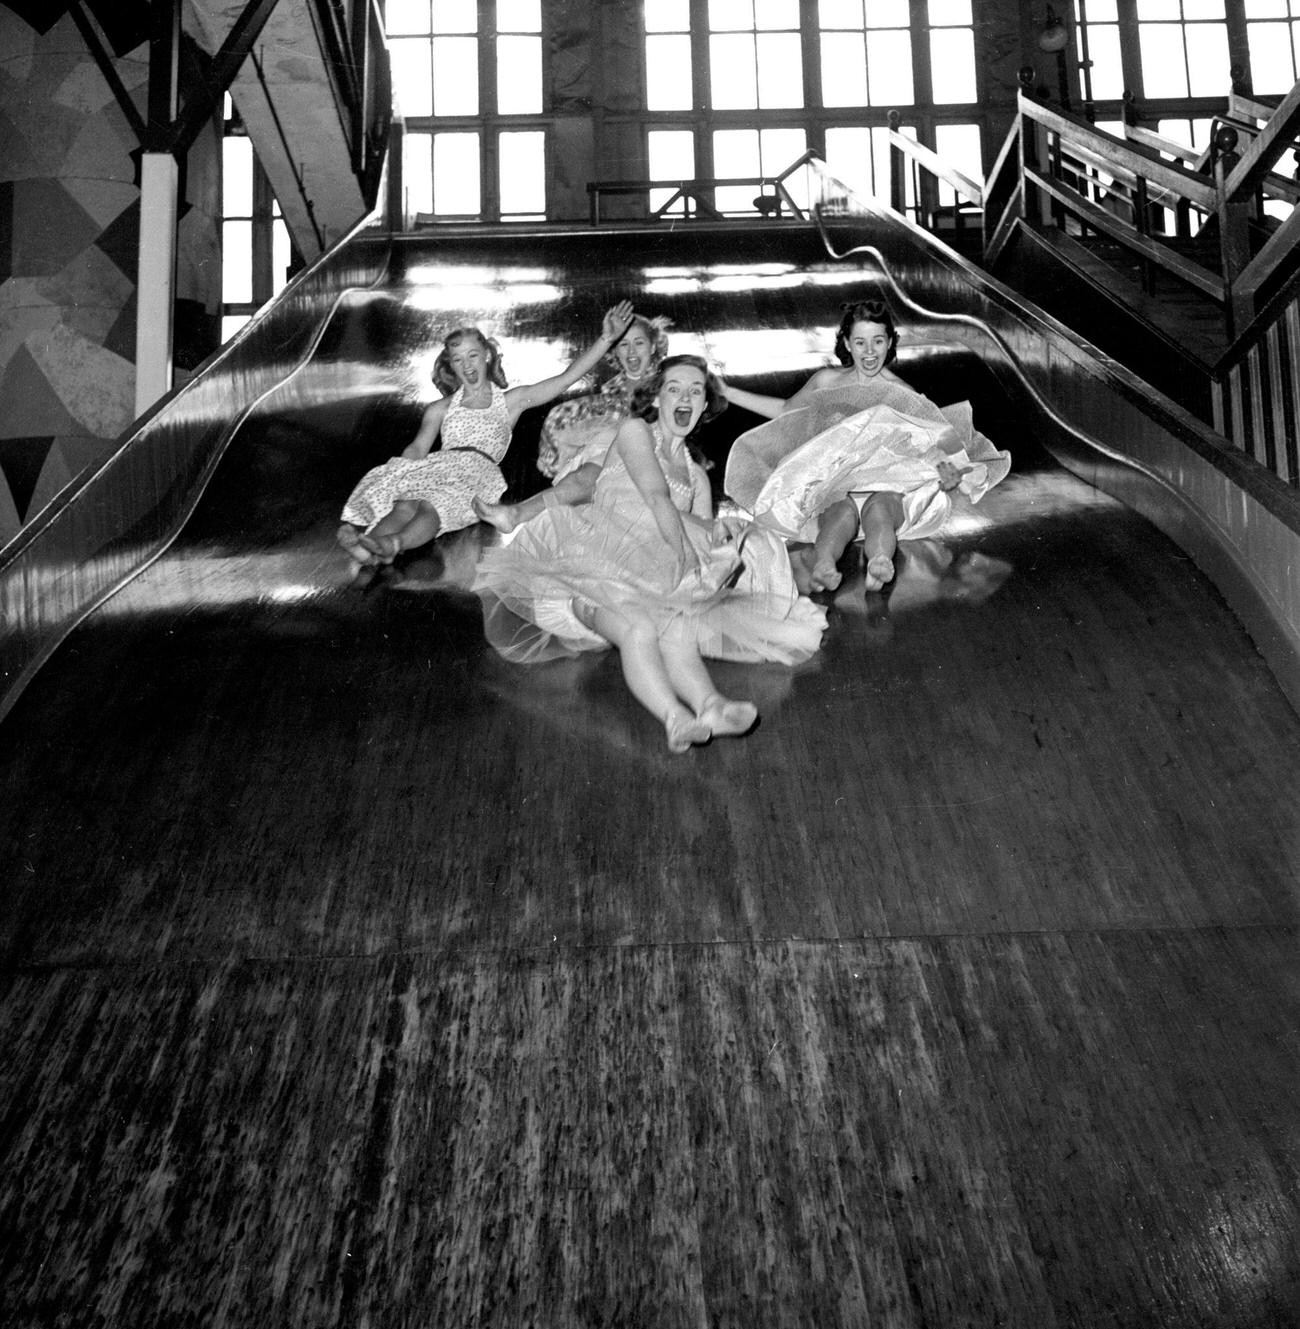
(1053, 36)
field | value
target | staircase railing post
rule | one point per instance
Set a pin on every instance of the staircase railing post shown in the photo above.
(1234, 234)
(1054, 149)
(897, 169)
(1034, 203)
(1142, 224)
(1183, 219)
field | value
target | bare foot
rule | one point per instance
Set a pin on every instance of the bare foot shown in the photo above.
(879, 570)
(385, 548)
(350, 539)
(500, 515)
(825, 575)
(728, 719)
(684, 730)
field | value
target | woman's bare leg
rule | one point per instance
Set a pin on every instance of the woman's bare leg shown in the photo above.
(506, 516)
(837, 528)
(577, 486)
(411, 522)
(568, 491)
(882, 515)
(646, 673)
(692, 682)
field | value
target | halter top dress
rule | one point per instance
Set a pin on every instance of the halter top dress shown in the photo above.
(464, 467)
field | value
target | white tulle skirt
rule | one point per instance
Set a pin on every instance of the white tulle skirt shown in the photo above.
(739, 603)
(850, 442)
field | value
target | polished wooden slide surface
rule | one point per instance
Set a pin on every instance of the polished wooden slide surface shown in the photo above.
(354, 977)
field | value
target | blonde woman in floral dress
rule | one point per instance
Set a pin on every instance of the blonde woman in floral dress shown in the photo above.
(426, 492)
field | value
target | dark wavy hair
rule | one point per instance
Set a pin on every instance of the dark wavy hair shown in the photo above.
(445, 380)
(864, 311)
(646, 407)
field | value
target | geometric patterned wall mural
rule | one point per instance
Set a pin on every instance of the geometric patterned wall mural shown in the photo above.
(69, 222)
(69, 214)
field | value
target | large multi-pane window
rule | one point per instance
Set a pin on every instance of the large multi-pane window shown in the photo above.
(1176, 58)
(736, 90)
(669, 83)
(1184, 48)
(1099, 50)
(471, 97)
(255, 246)
(753, 154)
(865, 48)
(859, 156)
(671, 156)
(1273, 36)
(519, 57)
(754, 54)
(730, 72)
(952, 51)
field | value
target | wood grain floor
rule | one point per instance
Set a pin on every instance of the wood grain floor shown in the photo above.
(351, 977)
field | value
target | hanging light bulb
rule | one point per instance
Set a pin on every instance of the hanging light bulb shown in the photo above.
(1053, 36)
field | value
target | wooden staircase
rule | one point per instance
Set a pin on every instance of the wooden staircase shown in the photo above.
(1079, 220)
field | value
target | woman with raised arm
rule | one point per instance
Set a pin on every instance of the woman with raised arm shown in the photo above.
(426, 492)
(578, 432)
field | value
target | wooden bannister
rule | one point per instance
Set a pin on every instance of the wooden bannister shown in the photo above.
(1056, 172)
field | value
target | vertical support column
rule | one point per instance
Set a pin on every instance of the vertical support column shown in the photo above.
(155, 296)
(156, 278)
(263, 236)
(897, 169)
(1234, 240)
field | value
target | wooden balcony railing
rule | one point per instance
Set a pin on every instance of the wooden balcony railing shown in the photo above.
(1194, 218)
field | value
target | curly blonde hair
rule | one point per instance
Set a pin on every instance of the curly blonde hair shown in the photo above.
(656, 329)
(444, 377)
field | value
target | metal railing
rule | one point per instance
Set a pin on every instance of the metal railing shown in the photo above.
(698, 197)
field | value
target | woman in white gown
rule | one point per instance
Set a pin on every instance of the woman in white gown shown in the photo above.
(856, 453)
(646, 567)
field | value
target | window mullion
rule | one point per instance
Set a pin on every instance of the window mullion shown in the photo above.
(489, 117)
(810, 52)
(1238, 47)
(487, 58)
(922, 75)
(701, 92)
(1130, 47)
